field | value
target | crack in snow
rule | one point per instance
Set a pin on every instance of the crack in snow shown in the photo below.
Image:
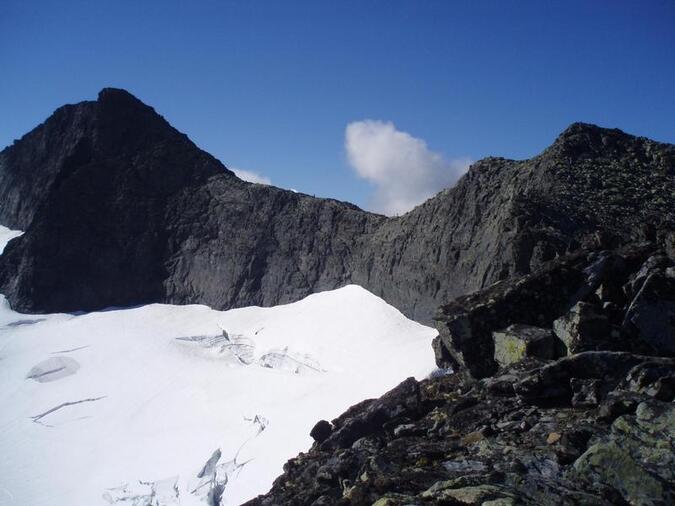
(70, 350)
(216, 476)
(210, 486)
(145, 493)
(37, 418)
(242, 349)
(287, 361)
(45, 373)
(19, 323)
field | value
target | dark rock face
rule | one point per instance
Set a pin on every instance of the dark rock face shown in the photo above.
(119, 209)
(401, 402)
(651, 314)
(321, 431)
(563, 297)
(133, 212)
(594, 428)
(98, 234)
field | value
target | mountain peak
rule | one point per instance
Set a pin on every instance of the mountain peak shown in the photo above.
(586, 140)
(120, 105)
(118, 95)
(139, 214)
(125, 113)
(581, 127)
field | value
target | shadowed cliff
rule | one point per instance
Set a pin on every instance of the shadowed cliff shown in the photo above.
(120, 209)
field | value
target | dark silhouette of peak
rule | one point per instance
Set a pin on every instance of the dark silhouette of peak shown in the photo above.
(117, 133)
(126, 120)
(120, 209)
(119, 96)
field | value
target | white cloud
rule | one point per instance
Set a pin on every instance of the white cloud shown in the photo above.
(251, 177)
(403, 169)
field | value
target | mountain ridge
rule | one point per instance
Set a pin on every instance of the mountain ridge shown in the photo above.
(137, 213)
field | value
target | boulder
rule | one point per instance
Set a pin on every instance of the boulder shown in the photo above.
(656, 263)
(667, 237)
(401, 401)
(516, 342)
(466, 325)
(583, 328)
(554, 380)
(651, 314)
(637, 457)
(655, 379)
(321, 431)
(585, 392)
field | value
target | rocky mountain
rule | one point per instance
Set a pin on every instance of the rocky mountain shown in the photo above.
(131, 211)
(551, 282)
(575, 405)
(121, 209)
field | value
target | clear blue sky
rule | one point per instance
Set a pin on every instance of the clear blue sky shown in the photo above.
(270, 86)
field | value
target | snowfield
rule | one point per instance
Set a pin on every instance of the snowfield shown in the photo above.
(157, 405)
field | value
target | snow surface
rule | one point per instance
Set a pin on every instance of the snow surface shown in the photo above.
(155, 405)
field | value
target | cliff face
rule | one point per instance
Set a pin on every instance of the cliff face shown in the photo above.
(90, 187)
(119, 209)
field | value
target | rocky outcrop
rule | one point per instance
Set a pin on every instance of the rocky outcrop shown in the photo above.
(119, 209)
(568, 297)
(472, 443)
(592, 427)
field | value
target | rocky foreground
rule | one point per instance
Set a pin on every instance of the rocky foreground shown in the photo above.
(563, 395)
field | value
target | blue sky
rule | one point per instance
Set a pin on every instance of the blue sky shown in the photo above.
(271, 86)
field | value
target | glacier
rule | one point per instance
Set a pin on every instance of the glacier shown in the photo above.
(183, 405)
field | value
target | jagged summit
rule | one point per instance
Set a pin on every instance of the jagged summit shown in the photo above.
(585, 140)
(76, 137)
(121, 209)
(119, 95)
(580, 127)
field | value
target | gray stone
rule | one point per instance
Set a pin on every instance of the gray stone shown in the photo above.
(583, 328)
(585, 392)
(637, 457)
(466, 325)
(651, 314)
(516, 342)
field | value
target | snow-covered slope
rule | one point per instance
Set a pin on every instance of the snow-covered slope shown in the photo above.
(154, 405)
